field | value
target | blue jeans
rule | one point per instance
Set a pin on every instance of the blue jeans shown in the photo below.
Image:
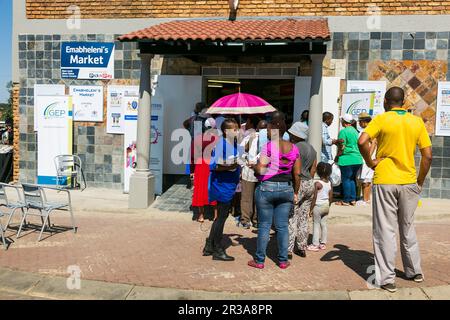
(274, 201)
(348, 174)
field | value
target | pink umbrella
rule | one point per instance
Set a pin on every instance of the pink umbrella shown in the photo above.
(240, 103)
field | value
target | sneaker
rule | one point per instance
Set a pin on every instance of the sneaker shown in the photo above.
(390, 287)
(362, 203)
(322, 246)
(254, 264)
(312, 247)
(418, 278)
(284, 265)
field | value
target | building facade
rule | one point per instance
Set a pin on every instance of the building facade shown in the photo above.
(404, 45)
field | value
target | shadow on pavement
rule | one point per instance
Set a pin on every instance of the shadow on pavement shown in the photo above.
(357, 260)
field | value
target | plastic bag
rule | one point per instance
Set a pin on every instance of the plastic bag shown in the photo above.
(335, 177)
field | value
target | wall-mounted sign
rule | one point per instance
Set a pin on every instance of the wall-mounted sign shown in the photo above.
(443, 109)
(379, 87)
(87, 60)
(114, 108)
(87, 103)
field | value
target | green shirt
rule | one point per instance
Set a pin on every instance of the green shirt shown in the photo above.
(350, 155)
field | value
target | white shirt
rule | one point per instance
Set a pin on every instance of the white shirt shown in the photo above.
(323, 194)
(251, 156)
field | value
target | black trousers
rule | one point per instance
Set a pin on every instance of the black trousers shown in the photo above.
(216, 233)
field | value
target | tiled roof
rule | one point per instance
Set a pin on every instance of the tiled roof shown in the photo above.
(288, 29)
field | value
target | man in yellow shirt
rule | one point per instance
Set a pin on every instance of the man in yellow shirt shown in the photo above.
(397, 188)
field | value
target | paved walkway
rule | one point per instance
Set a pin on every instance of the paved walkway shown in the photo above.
(154, 248)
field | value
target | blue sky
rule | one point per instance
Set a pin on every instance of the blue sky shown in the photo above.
(5, 52)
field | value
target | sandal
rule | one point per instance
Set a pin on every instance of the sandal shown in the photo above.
(342, 203)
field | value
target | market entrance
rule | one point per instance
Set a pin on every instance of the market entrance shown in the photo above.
(278, 92)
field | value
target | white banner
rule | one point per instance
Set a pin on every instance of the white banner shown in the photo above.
(379, 87)
(157, 142)
(54, 135)
(46, 90)
(115, 117)
(443, 109)
(87, 103)
(355, 103)
(130, 107)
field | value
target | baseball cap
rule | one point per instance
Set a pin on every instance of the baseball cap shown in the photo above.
(300, 130)
(347, 118)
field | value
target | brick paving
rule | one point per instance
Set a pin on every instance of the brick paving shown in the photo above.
(162, 249)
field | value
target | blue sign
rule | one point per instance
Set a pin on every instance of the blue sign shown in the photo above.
(87, 60)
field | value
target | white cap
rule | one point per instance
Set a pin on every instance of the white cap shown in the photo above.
(347, 118)
(210, 123)
(300, 130)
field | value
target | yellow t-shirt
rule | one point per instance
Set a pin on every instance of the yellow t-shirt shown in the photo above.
(398, 133)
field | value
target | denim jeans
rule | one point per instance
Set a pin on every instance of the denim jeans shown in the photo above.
(348, 174)
(274, 201)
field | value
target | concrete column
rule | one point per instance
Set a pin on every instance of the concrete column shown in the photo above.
(316, 104)
(142, 181)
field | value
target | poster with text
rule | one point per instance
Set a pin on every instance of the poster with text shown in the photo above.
(87, 103)
(443, 109)
(379, 87)
(87, 60)
(115, 121)
(46, 90)
(157, 142)
(54, 135)
(355, 103)
(130, 109)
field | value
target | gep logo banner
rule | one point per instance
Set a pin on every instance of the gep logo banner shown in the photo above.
(54, 110)
(87, 60)
(355, 103)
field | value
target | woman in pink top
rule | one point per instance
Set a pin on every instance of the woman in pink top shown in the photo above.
(278, 171)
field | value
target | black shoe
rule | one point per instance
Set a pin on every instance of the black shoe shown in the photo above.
(390, 287)
(290, 256)
(417, 278)
(208, 249)
(301, 253)
(221, 255)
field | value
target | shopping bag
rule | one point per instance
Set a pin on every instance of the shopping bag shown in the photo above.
(335, 177)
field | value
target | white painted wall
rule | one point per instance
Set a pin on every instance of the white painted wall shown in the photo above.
(331, 91)
(179, 95)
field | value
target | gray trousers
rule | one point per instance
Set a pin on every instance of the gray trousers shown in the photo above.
(320, 215)
(393, 208)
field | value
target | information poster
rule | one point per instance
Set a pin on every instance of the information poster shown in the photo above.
(157, 142)
(130, 109)
(115, 121)
(355, 103)
(87, 60)
(54, 135)
(443, 109)
(87, 103)
(46, 90)
(379, 87)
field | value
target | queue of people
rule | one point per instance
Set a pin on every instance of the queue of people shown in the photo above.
(279, 190)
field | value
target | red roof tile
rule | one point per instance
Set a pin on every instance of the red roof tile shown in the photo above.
(288, 29)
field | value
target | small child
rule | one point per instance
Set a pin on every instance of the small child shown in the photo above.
(320, 206)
